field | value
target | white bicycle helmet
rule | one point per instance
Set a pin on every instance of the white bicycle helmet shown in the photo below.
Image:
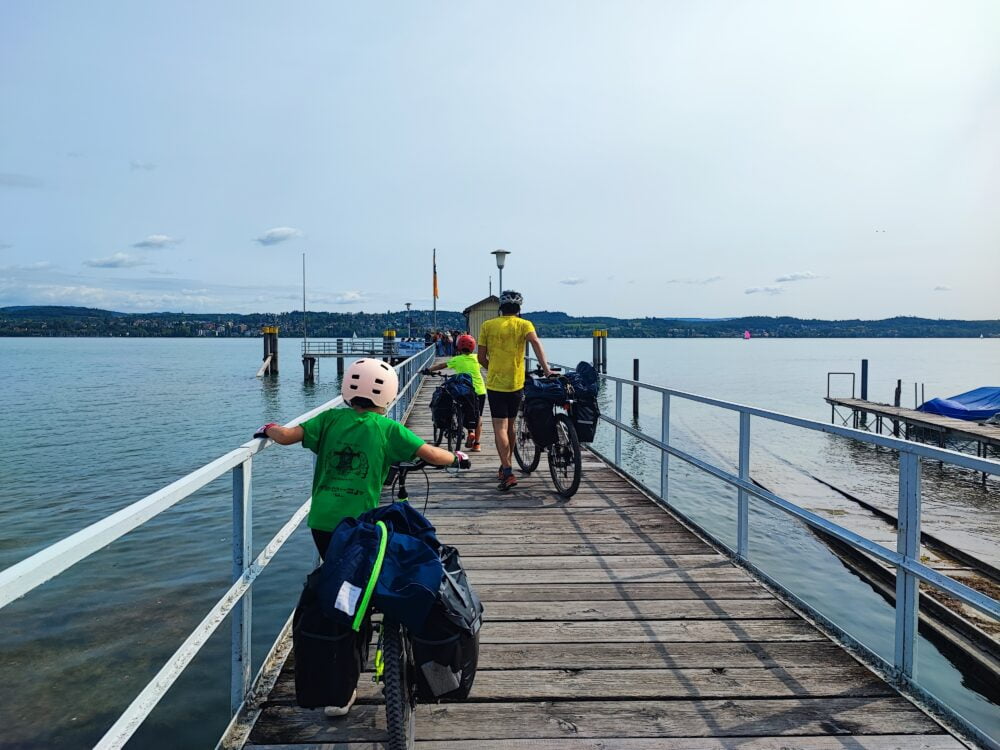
(372, 379)
(511, 297)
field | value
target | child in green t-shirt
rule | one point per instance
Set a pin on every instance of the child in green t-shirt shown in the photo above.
(465, 362)
(355, 448)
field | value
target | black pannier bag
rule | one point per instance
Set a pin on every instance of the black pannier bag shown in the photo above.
(446, 650)
(541, 421)
(463, 395)
(329, 656)
(442, 407)
(585, 415)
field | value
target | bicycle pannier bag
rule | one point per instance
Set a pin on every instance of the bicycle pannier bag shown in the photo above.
(329, 655)
(585, 415)
(446, 649)
(553, 391)
(442, 407)
(541, 421)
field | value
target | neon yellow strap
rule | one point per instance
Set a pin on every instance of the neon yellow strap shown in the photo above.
(383, 540)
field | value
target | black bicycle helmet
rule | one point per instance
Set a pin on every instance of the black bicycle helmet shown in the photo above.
(510, 297)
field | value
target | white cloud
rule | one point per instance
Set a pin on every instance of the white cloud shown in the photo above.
(572, 281)
(118, 260)
(5, 245)
(157, 241)
(161, 272)
(39, 266)
(145, 166)
(708, 280)
(278, 234)
(764, 290)
(942, 288)
(350, 297)
(797, 276)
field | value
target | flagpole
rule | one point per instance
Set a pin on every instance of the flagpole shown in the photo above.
(435, 290)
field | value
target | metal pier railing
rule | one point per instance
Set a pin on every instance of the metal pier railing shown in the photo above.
(23, 577)
(905, 558)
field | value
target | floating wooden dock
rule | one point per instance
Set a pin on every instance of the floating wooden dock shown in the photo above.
(609, 624)
(886, 417)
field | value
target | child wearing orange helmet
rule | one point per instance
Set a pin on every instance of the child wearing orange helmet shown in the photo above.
(465, 362)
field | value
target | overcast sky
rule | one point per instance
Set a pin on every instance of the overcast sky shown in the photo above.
(694, 159)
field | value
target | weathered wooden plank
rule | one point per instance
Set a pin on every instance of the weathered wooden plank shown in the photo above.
(570, 592)
(484, 722)
(564, 549)
(589, 562)
(648, 684)
(637, 575)
(678, 609)
(660, 631)
(647, 655)
(853, 742)
(544, 526)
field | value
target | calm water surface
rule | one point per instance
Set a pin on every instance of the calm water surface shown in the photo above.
(95, 424)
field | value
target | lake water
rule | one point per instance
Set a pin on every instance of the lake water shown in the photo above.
(95, 424)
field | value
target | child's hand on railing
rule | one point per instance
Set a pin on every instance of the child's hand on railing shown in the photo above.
(262, 432)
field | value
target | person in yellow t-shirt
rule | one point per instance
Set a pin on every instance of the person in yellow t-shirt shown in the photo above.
(465, 362)
(501, 352)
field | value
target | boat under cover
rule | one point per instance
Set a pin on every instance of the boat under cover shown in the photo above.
(978, 404)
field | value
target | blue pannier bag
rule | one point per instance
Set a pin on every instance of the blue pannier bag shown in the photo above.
(459, 386)
(405, 519)
(553, 391)
(584, 380)
(369, 564)
(442, 407)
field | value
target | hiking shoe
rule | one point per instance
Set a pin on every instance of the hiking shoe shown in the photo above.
(475, 447)
(507, 482)
(471, 441)
(335, 711)
(500, 474)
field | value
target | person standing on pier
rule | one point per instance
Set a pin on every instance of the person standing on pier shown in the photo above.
(501, 352)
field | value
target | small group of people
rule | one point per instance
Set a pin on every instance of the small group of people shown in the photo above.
(445, 342)
(356, 447)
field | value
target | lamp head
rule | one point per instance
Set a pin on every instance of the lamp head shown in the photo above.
(501, 256)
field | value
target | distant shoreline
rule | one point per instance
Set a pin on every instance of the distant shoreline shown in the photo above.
(79, 322)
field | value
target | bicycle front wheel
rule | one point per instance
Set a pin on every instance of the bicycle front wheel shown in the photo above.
(526, 451)
(564, 458)
(400, 694)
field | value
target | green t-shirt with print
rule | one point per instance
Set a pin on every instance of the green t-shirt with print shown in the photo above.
(354, 451)
(468, 364)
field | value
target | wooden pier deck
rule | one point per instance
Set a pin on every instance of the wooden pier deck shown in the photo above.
(609, 624)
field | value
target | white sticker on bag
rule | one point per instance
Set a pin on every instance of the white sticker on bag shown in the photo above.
(347, 597)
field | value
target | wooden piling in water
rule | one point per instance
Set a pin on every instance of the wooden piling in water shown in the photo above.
(270, 350)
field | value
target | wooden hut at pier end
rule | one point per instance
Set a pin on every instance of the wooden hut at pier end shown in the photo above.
(476, 314)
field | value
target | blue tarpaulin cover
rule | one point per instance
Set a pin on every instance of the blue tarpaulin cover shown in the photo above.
(977, 404)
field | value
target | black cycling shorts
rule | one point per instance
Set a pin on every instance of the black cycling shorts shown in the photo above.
(503, 404)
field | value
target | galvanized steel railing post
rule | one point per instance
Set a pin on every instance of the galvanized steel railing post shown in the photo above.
(743, 499)
(242, 616)
(908, 545)
(665, 439)
(618, 418)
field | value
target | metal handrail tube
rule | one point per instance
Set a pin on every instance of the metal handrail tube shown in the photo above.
(22, 577)
(968, 595)
(926, 451)
(155, 689)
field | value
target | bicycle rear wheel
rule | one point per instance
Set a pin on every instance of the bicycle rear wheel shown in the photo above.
(438, 435)
(400, 694)
(564, 458)
(526, 450)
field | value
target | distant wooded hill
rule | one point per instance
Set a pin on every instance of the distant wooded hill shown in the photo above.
(83, 321)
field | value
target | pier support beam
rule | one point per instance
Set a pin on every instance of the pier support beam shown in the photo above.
(309, 369)
(600, 356)
(270, 349)
(388, 345)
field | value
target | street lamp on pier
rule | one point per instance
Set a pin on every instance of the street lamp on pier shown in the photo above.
(501, 256)
(409, 321)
